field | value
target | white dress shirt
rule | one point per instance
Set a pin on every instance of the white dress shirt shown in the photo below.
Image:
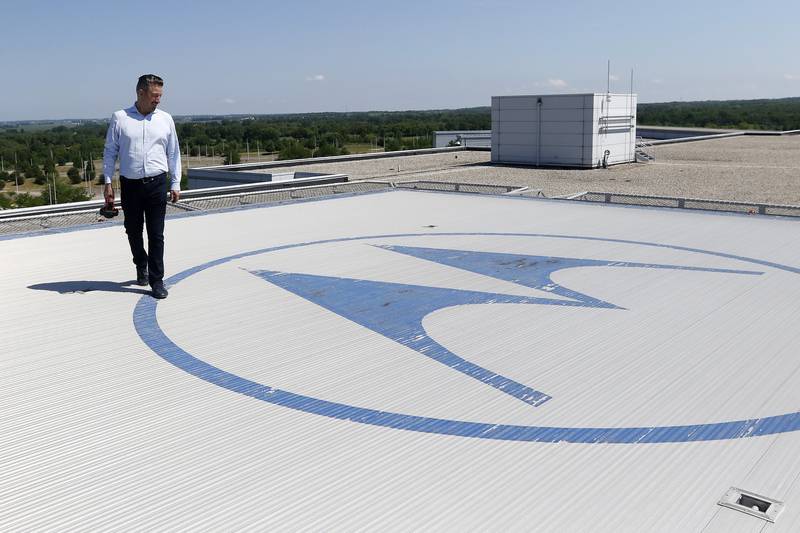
(147, 145)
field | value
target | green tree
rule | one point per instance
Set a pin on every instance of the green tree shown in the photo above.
(232, 155)
(74, 175)
(50, 168)
(392, 144)
(91, 173)
(295, 150)
(327, 150)
(35, 173)
(64, 193)
(28, 200)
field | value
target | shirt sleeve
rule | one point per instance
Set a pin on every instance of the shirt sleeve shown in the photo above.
(174, 157)
(111, 149)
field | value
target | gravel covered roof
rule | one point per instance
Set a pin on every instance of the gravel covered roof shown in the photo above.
(748, 168)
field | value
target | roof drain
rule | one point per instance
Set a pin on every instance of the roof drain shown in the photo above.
(751, 503)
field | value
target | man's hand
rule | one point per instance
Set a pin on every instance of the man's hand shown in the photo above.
(108, 194)
(174, 196)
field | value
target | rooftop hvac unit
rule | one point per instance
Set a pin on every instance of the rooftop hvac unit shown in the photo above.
(565, 130)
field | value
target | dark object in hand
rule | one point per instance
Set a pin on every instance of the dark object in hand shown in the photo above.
(109, 211)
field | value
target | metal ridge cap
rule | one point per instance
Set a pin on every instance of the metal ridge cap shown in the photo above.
(276, 190)
(29, 213)
(264, 186)
(689, 199)
(332, 159)
(52, 209)
(460, 183)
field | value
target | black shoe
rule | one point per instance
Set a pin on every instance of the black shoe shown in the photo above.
(141, 276)
(159, 291)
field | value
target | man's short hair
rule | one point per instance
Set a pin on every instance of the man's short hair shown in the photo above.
(146, 80)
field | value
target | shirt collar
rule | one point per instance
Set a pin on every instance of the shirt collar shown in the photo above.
(135, 110)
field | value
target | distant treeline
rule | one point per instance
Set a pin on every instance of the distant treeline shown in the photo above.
(325, 134)
(779, 114)
(296, 135)
(34, 154)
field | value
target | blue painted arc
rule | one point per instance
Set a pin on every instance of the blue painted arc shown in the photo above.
(535, 271)
(146, 323)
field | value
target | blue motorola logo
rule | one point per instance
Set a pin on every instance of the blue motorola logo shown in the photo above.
(396, 311)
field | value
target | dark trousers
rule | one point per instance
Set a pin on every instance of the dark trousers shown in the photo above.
(144, 202)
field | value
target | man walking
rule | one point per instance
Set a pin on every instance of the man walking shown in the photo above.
(145, 140)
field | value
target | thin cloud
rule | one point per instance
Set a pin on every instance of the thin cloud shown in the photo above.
(315, 77)
(792, 77)
(614, 77)
(552, 83)
(657, 81)
(228, 101)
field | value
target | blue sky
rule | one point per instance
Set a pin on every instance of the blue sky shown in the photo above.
(81, 59)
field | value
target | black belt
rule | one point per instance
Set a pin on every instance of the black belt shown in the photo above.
(150, 179)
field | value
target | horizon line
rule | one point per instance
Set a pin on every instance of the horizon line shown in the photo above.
(428, 110)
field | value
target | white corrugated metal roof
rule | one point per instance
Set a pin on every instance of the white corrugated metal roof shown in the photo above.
(405, 360)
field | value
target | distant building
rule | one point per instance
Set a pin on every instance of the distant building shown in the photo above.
(474, 138)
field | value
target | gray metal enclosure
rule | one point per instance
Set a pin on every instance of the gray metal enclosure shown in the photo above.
(481, 138)
(565, 130)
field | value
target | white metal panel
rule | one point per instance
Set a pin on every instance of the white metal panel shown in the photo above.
(547, 115)
(616, 127)
(548, 139)
(505, 103)
(517, 115)
(99, 432)
(598, 123)
(556, 119)
(563, 127)
(562, 115)
(557, 101)
(550, 155)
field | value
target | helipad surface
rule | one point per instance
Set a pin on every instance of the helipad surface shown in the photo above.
(405, 360)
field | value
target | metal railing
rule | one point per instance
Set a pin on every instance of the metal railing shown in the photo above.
(478, 188)
(86, 213)
(750, 208)
(644, 150)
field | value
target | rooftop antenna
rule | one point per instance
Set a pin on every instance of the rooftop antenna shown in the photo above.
(631, 83)
(608, 79)
(632, 114)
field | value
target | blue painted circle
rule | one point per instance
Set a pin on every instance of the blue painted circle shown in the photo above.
(147, 327)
